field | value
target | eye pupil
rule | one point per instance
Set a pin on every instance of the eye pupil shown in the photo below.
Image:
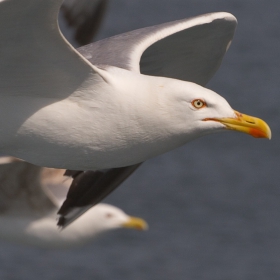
(198, 103)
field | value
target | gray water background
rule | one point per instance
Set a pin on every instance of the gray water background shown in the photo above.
(213, 206)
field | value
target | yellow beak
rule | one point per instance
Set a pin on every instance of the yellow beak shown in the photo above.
(135, 223)
(247, 124)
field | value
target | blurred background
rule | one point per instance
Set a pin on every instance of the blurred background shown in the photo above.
(212, 205)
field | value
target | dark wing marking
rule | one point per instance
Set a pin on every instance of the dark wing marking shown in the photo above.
(85, 17)
(89, 188)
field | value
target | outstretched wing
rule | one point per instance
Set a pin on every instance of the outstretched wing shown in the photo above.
(189, 49)
(35, 58)
(84, 17)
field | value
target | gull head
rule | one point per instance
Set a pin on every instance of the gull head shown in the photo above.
(104, 217)
(200, 111)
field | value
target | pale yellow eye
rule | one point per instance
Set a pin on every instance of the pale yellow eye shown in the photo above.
(198, 103)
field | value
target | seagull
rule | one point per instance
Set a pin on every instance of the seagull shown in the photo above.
(113, 104)
(29, 200)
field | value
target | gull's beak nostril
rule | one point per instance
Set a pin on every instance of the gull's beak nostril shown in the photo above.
(250, 122)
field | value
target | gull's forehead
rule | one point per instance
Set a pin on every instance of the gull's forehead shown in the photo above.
(110, 209)
(213, 98)
(193, 91)
(217, 104)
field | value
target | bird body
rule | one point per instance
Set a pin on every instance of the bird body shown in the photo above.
(137, 125)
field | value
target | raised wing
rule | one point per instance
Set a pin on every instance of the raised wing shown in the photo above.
(189, 49)
(35, 58)
(85, 17)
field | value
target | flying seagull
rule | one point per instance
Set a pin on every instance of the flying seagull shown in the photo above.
(111, 104)
(29, 199)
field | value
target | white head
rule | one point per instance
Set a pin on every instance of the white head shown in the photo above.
(101, 218)
(197, 111)
(104, 217)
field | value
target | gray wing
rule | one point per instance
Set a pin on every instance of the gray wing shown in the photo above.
(21, 191)
(84, 17)
(189, 49)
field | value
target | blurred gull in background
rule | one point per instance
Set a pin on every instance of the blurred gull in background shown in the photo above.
(29, 200)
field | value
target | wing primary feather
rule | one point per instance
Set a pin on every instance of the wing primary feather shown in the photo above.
(72, 173)
(89, 188)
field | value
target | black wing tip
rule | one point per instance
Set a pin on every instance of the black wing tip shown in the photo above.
(68, 217)
(64, 222)
(88, 189)
(72, 173)
(61, 223)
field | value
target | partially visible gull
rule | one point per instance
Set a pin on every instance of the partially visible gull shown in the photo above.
(111, 104)
(29, 199)
(81, 19)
